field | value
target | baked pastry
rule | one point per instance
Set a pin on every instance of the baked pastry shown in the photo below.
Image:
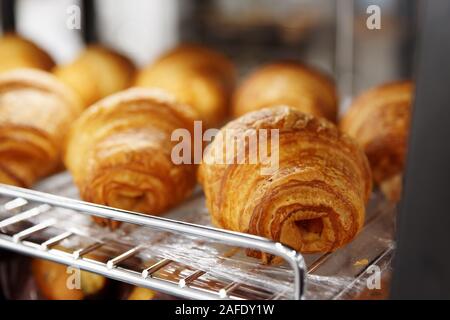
(35, 112)
(140, 293)
(196, 76)
(18, 52)
(119, 152)
(97, 73)
(379, 121)
(287, 83)
(56, 282)
(313, 198)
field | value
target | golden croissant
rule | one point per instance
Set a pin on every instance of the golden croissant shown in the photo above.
(56, 281)
(379, 121)
(314, 198)
(287, 83)
(119, 152)
(18, 52)
(196, 76)
(35, 113)
(97, 73)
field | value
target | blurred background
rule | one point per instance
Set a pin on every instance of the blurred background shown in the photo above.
(329, 34)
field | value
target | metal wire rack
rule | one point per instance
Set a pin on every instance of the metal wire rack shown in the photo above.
(22, 205)
(32, 223)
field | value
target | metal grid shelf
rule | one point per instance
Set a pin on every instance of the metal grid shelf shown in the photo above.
(34, 223)
(22, 205)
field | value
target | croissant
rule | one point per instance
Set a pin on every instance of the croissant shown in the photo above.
(97, 73)
(119, 152)
(314, 198)
(139, 293)
(379, 121)
(58, 282)
(287, 83)
(196, 76)
(35, 112)
(18, 52)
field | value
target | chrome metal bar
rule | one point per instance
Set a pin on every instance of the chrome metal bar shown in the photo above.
(77, 254)
(24, 215)
(124, 256)
(186, 281)
(223, 293)
(55, 240)
(36, 228)
(100, 268)
(294, 258)
(14, 204)
(155, 267)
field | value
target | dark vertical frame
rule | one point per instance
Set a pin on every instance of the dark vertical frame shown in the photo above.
(88, 20)
(408, 12)
(422, 262)
(8, 15)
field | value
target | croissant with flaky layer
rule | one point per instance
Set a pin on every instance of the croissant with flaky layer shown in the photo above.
(314, 201)
(379, 121)
(287, 83)
(96, 73)
(119, 152)
(35, 112)
(196, 76)
(18, 52)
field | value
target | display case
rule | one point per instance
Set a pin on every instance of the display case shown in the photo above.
(182, 254)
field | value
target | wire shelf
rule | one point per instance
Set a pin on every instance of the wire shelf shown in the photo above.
(23, 206)
(201, 263)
